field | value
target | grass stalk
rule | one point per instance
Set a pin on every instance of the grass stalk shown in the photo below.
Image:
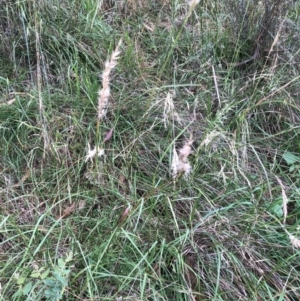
(192, 6)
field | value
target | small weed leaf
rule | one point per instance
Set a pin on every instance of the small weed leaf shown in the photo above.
(61, 278)
(45, 274)
(277, 210)
(21, 280)
(276, 207)
(40, 273)
(55, 288)
(50, 282)
(27, 288)
(293, 161)
(290, 158)
(61, 263)
(35, 274)
(53, 294)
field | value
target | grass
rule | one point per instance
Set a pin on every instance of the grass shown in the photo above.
(223, 224)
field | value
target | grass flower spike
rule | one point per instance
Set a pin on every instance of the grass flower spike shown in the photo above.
(103, 97)
(104, 93)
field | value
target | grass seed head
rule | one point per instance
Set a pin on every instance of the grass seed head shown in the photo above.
(93, 152)
(295, 241)
(180, 162)
(104, 93)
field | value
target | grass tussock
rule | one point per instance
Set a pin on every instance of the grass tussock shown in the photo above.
(188, 186)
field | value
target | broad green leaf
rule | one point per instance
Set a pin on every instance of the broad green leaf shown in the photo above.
(27, 288)
(290, 158)
(45, 274)
(50, 282)
(53, 294)
(18, 293)
(61, 263)
(61, 279)
(35, 274)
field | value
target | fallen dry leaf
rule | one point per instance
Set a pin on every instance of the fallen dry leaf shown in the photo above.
(23, 179)
(108, 135)
(43, 229)
(67, 211)
(8, 103)
(124, 216)
(81, 205)
(149, 26)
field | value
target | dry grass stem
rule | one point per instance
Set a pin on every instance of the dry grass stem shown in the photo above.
(46, 136)
(8, 103)
(169, 110)
(216, 85)
(276, 91)
(104, 93)
(174, 164)
(210, 137)
(193, 4)
(275, 42)
(284, 200)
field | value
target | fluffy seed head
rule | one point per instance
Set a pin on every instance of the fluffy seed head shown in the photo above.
(180, 162)
(91, 153)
